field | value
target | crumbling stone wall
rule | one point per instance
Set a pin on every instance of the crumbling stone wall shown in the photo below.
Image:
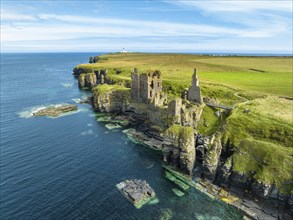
(135, 85)
(146, 87)
(184, 113)
(194, 94)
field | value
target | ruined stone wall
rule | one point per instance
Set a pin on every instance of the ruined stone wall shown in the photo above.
(194, 93)
(156, 81)
(160, 99)
(144, 87)
(184, 113)
(135, 86)
(174, 109)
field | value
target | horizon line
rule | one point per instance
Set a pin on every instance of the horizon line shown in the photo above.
(161, 52)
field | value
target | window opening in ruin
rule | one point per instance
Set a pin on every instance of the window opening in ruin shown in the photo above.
(152, 84)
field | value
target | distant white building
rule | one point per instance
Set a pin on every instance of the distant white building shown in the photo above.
(124, 51)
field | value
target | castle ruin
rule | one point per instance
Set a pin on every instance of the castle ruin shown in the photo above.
(193, 94)
(147, 87)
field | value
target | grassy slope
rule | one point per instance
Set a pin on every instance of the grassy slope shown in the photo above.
(270, 162)
(262, 137)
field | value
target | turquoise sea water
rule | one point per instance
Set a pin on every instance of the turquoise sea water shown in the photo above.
(67, 168)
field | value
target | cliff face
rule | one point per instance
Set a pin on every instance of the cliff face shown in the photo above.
(228, 169)
(87, 80)
(78, 71)
(110, 98)
(211, 159)
(178, 149)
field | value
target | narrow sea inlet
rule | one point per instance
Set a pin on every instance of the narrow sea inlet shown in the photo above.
(68, 167)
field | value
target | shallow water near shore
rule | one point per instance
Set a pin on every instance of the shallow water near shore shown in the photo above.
(68, 167)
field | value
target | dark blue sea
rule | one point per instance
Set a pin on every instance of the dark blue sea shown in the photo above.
(68, 167)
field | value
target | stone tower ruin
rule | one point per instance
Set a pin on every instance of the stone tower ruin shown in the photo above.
(194, 94)
(146, 86)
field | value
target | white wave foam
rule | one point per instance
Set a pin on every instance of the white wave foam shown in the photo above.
(89, 132)
(29, 112)
(76, 100)
(67, 85)
(112, 126)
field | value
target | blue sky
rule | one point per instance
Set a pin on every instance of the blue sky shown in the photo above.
(247, 26)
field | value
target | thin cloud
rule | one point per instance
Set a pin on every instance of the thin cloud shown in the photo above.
(241, 26)
(15, 16)
(237, 6)
(56, 27)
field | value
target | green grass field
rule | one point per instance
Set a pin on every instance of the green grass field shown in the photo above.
(268, 75)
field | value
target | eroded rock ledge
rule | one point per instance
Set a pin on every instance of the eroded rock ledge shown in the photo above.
(56, 110)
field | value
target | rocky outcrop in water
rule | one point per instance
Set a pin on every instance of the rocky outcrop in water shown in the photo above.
(56, 110)
(136, 191)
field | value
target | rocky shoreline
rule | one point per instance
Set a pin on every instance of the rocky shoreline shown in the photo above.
(252, 207)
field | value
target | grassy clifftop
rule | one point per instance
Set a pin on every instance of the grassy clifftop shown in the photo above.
(260, 126)
(268, 75)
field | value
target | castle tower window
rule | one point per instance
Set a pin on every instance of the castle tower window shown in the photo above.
(151, 93)
(152, 84)
(158, 84)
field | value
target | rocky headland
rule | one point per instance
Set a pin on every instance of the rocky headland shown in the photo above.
(216, 159)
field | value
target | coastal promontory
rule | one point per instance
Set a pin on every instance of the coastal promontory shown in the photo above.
(234, 135)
